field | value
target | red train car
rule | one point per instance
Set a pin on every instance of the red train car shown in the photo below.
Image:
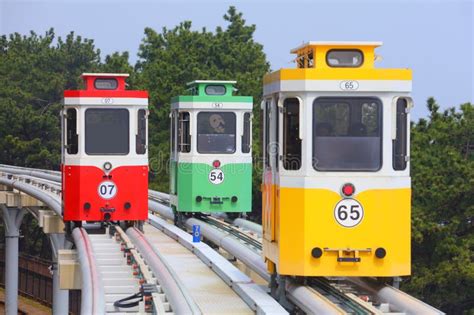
(105, 151)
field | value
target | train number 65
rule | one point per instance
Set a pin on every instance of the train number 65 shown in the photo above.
(348, 212)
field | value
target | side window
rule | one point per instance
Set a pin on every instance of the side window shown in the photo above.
(184, 133)
(291, 140)
(72, 138)
(246, 139)
(400, 142)
(173, 132)
(140, 137)
(266, 143)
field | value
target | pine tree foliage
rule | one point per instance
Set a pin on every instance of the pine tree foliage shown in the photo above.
(442, 154)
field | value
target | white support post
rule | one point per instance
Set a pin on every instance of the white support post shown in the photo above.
(60, 297)
(12, 218)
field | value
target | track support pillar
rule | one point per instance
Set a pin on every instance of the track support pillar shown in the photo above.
(12, 218)
(60, 297)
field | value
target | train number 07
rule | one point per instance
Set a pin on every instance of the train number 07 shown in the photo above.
(107, 190)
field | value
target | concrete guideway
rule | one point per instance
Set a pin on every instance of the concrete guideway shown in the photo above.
(254, 295)
(209, 292)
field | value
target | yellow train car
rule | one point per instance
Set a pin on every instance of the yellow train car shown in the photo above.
(336, 183)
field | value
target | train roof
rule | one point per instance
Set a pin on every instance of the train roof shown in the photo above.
(107, 75)
(337, 66)
(336, 44)
(195, 82)
(105, 88)
(206, 92)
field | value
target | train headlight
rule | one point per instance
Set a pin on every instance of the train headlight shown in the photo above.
(216, 163)
(198, 199)
(348, 189)
(317, 252)
(234, 199)
(107, 166)
(380, 252)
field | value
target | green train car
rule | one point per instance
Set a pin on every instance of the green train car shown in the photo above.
(211, 150)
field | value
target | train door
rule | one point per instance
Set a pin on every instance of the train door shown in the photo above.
(270, 168)
(173, 153)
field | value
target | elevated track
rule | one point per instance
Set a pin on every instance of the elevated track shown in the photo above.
(241, 239)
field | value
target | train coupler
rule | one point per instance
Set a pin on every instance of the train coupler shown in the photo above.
(348, 254)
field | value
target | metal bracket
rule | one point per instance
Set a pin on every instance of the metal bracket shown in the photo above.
(343, 252)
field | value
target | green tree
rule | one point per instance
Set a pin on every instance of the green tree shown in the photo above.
(34, 72)
(170, 59)
(443, 209)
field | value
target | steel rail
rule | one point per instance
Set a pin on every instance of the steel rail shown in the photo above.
(399, 299)
(92, 292)
(234, 231)
(249, 225)
(34, 173)
(310, 301)
(348, 304)
(32, 169)
(41, 195)
(180, 300)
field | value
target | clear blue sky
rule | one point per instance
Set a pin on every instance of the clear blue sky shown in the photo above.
(432, 37)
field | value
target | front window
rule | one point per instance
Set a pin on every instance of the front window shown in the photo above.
(107, 131)
(344, 58)
(216, 132)
(215, 90)
(347, 133)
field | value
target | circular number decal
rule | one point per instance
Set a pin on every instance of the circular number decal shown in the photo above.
(349, 85)
(348, 212)
(216, 176)
(107, 190)
(107, 100)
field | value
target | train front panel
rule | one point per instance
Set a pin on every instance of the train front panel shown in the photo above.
(211, 156)
(220, 185)
(105, 151)
(336, 190)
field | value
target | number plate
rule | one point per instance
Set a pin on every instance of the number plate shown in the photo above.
(348, 212)
(216, 176)
(349, 85)
(107, 190)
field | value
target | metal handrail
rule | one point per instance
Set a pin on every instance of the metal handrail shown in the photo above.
(92, 291)
(30, 172)
(53, 203)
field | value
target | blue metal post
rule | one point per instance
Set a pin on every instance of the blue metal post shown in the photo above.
(196, 233)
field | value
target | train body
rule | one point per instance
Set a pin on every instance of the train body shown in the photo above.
(336, 187)
(211, 150)
(104, 151)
